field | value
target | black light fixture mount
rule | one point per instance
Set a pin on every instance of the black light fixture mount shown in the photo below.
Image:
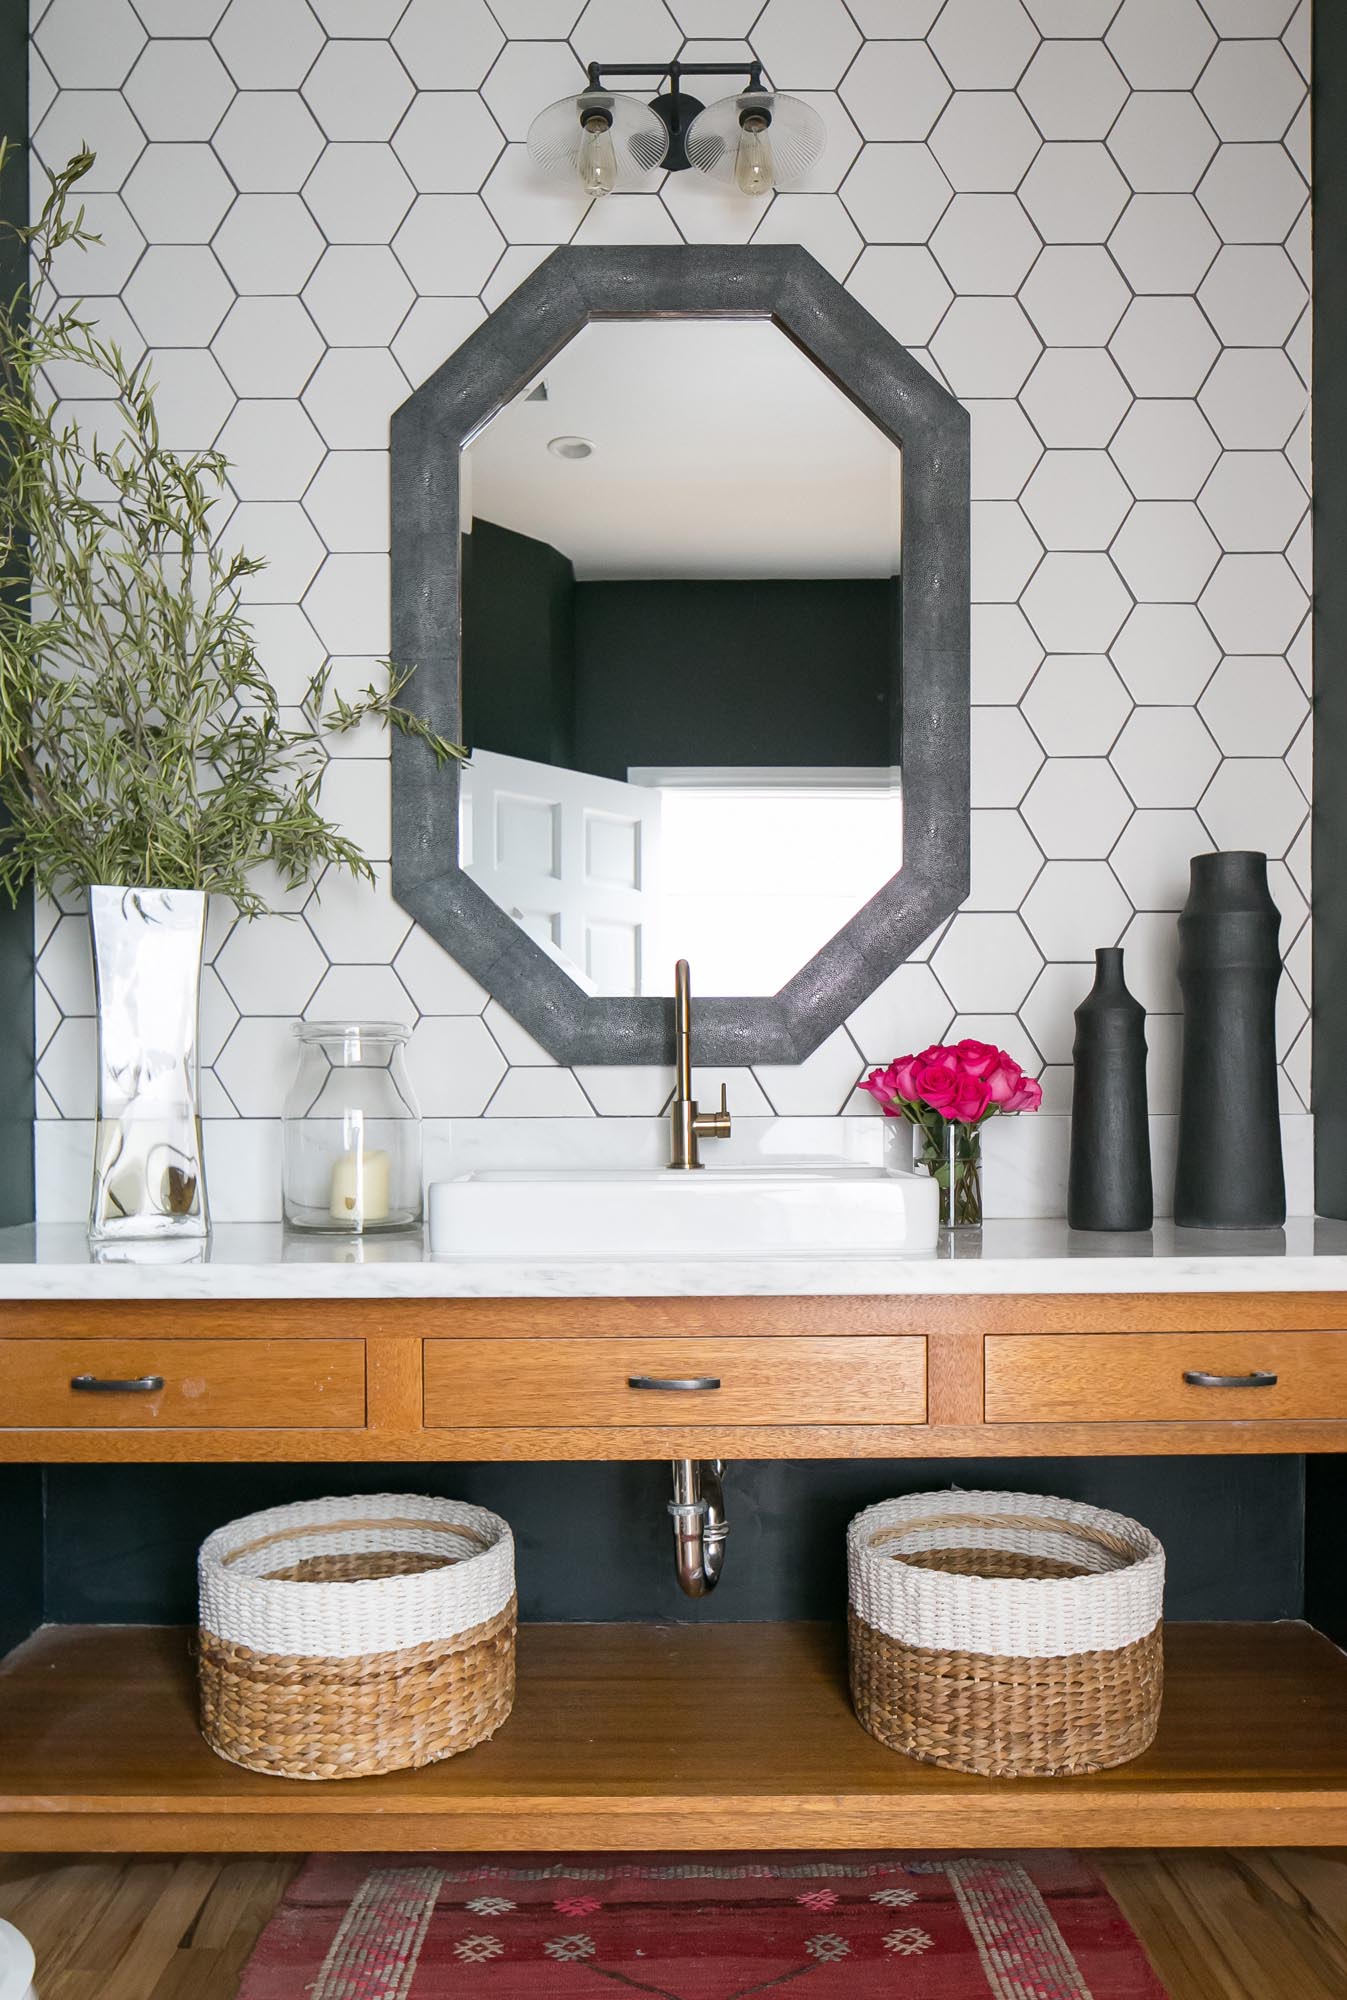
(675, 107)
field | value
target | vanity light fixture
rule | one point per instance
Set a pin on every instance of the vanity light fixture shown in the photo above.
(611, 141)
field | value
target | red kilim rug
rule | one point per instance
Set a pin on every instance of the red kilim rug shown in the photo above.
(828, 1927)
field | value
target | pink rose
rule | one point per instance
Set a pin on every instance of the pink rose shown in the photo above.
(1005, 1079)
(935, 1085)
(977, 1058)
(941, 1055)
(971, 1101)
(1028, 1097)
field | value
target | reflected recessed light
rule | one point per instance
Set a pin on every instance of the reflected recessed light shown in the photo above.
(571, 447)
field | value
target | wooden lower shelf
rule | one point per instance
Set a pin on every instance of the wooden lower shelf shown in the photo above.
(638, 1736)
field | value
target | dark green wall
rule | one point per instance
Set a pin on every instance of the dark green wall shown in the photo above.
(21, 1583)
(518, 646)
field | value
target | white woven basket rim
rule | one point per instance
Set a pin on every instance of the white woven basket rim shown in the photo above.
(1006, 1617)
(364, 1617)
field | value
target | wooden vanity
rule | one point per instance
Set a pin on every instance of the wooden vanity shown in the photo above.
(660, 1736)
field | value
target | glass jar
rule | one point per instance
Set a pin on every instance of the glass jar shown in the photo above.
(352, 1130)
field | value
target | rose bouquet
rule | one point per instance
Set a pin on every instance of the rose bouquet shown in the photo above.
(946, 1094)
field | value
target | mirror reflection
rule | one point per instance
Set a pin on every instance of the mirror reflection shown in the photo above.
(681, 656)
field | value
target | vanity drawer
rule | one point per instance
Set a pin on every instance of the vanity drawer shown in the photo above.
(206, 1384)
(1133, 1378)
(493, 1384)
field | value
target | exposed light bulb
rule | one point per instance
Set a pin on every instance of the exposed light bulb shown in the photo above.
(753, 169)
(596, 162)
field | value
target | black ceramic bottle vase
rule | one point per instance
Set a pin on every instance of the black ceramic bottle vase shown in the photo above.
(1109, 1183)
(1229, 1172)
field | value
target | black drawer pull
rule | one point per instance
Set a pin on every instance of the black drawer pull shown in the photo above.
(1258, 1378)
(103, 1385)
(692, 1384)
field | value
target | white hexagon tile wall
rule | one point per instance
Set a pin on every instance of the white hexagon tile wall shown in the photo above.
(1088, 217)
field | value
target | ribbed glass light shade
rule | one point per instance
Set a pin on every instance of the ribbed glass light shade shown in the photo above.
(639, 135)
(795, 134)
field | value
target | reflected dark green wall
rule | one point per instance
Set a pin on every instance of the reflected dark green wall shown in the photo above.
(518, 646)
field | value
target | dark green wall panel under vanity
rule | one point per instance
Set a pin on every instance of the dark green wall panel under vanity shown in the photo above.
(594, 1540)
(21, 1591)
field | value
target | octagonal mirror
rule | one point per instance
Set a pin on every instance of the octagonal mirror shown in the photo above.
(680, 552)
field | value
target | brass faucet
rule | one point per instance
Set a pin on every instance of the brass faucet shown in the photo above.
(688, 1125)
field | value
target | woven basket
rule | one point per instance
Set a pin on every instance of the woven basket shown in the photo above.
(340, 1638)
(1004, 1633)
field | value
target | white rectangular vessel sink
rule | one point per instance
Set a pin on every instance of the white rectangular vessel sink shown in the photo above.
(812, 1208)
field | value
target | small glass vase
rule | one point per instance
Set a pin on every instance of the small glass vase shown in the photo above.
(149, 1176)
(952, 1155)
(352, 1131)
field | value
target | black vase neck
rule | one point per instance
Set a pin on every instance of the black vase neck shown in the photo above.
(1231, 880)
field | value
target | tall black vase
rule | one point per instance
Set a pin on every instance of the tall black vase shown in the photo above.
(1109, 1183)
(1229, 1172)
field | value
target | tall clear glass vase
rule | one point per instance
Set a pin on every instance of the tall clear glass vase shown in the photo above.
(952, 1156)
(149, 1176)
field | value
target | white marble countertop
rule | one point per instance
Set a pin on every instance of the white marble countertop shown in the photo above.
(264, 1262)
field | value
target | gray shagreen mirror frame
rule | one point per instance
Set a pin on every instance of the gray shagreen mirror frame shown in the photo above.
(785, 285)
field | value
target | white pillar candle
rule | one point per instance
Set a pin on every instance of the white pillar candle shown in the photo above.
(360, 1188)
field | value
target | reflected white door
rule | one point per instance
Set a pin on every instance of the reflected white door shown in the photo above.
(572, 858)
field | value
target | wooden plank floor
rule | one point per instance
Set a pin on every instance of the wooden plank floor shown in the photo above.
(1218, 1925)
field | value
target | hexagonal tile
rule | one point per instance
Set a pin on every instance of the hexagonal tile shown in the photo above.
(1005, 756)
(180, 17)
(1005, 551)
(358, 193)
(1160, 44)
(1005, 653)
(448, 244)
(360, 993)
(985, 243)
(72, 379)
(431, 332)
(1076, 603)
(987, 961)
(351, 396)
(905, 289)
(269, 141)
(268, 346)
(1165, 757)
(358, 90)
(627, 30)
(272, 448)
(268, 243)
(280, 532)
(178, 295)
(984, 140)
(347, 604)
(69, 1067)
(1250, 90)
(1071, 17)
(1162, 141)
(1076, 499)
(1047, 1012)
(910, 1010)
(101, 267)
(709, 17)
(1164, 346)
(270, 966)
(1151, 945)
(447, 142)
(1074, 89)
(893, 90)
(437, 983)
(191, 398)
(371, 18)
(178, 194)
(287, 647)
(896, 194)
(1252, 295)
(984, 44)
(818, 222)
(1254, 604)
(1249, 17)
(348, 501)
(1253, 399)
(99, 120)
(455, 1066)
(986, 347)
(1076, 705)
(530, 209)
(841, 144)
(1074, 295)
(1165, 449)
(1151, 857)
(1253, 501)
(1076, 808)
(1074, 907)
(89, 44)
(358, 295)
(257, 1063)
(1005, 449)
(1254, 707)
(1252, 193)
(525, 77)
(805, 42)
(1165, 654)
(268, 44)
(1004, 861)
(819, 1086)
(1166, 551)
(179, 90)
(702, 213)
(1075, 397)
(1074, 192)
(66, 966)
(1164, 243)
(1253, 802)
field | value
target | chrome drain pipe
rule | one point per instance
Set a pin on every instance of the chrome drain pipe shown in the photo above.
(699, 1524)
